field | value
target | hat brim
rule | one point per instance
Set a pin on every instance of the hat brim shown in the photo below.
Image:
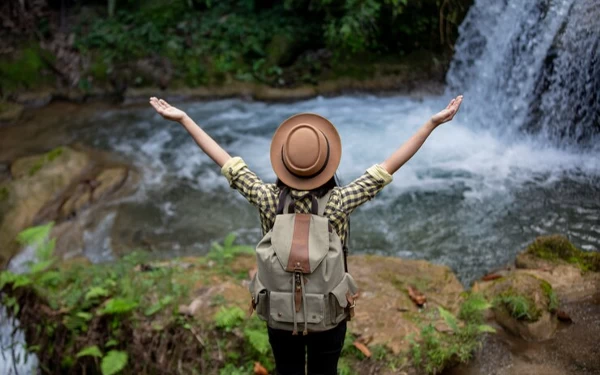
(335, 151)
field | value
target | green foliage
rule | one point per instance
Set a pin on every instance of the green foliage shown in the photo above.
(96, 292)
(344, 367)
(436, 350)
(224, 254)
(92, 351)
(471, 309)
(113, 362)
(210, 42)
(518, 306)
(229, 318)
(231, 369)
(119, 306)
(553, 302)
(87, 294)
(22, 71)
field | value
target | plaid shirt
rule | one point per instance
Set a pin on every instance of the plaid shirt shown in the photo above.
(342, 201)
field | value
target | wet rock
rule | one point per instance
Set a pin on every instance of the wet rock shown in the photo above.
(36, 181)
(57, 186)
(108, 181)
(35, 99)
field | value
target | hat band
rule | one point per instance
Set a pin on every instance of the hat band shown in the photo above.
(312, 175)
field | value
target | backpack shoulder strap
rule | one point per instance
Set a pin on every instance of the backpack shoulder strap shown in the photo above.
(322, 203)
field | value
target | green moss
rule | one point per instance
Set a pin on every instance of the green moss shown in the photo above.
(53, 154)
(557, 247)
(553, 301)
(49, 157)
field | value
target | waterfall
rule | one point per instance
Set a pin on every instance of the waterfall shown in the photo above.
(531, 66)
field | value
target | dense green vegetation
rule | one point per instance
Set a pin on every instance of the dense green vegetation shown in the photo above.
(206, 42)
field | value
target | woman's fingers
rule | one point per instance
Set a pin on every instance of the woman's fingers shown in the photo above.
(154, 103)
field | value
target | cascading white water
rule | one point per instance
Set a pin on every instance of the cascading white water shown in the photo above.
(531, 66)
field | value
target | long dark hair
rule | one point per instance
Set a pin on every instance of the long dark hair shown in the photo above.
(321, 190)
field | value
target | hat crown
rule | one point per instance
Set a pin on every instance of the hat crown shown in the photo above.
(305, 151)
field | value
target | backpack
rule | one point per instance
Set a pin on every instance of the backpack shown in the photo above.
(302, 276)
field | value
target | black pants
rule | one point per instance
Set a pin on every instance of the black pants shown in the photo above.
(323, 349)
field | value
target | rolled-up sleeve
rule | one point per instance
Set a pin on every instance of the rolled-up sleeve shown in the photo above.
(364, 188)
(258, 193)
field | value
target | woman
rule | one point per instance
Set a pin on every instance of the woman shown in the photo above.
(305, 154)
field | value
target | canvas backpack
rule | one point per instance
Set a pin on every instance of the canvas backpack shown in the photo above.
(302, 277)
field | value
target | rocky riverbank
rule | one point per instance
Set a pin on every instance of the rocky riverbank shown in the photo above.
(190, 313)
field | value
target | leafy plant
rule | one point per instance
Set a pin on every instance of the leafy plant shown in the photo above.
(113, 362)
(229, 318)
(436, 349)
(92, 351)
(223, 254)
(118, 306)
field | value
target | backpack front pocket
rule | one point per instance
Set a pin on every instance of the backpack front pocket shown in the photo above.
(281, 310)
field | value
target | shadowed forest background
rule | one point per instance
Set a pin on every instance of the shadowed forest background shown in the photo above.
(117, 44)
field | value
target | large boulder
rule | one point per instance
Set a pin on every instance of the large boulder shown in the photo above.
(56, 186)
(36, 180)
(523, 304)
(574, 274)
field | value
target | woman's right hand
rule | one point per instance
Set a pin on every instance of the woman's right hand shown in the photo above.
(166, 110)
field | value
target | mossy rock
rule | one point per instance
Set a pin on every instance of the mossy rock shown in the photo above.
(37, 181)
(525, 305)
(557, 248)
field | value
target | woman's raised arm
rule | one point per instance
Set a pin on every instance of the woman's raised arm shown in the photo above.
(410, 147)
(206, 143)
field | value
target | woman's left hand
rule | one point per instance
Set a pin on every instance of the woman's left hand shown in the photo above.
(448, 113)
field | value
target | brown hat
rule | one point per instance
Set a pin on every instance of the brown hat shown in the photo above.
(305, 151)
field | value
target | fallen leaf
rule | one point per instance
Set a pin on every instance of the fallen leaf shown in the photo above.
(562, 315)
(491, 276)
(259, 369)
(363, 348)
(417, 297)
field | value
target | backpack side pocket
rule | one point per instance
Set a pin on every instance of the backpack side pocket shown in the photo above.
(338, 299)
(260, 298)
